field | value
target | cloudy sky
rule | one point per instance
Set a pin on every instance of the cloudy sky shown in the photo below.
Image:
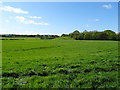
(57, 17)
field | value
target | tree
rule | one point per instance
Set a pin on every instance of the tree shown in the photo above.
(95, 35)
(64, 35)
(118, 36)
(75, 35)
(110, 35)
(38, 36)
(87, 36)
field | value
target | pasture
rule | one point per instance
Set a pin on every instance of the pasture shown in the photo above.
(35, 63)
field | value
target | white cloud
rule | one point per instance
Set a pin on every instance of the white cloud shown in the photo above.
(94, 20)
(34, 17)
(0, 2)
(22, 19)
(97, 20)
(107, 6)
(7, 21)
(87, 26)
(12, 9)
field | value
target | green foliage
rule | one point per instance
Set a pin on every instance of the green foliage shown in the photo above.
(110, 34)
(94, 35)
(64, 35)
(87, 36)
(34, 63)
(91, 35)
(14, 36)
(63, 38)
(118, 36)
(75, 35)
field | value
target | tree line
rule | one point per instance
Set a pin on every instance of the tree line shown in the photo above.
(35, 36)
(86, 35)
(93, 35)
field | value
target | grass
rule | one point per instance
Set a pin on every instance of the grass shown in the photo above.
(63, 38)
(18, 38)
(34, 63)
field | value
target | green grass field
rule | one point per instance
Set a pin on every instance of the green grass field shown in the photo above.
(34, 63)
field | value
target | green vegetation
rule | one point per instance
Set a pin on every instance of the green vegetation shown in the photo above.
(59, 63)
(15, 36)
(18, 38)
(64, 38)
(91, 35)
(95, 35)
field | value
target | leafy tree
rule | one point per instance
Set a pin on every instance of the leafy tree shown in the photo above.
(87, 36)
(38, 36)
(64, 35)
(110, 35)
(75, 35)
(118, 36)
(95, 35)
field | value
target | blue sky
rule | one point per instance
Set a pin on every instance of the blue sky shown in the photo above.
(57, 17)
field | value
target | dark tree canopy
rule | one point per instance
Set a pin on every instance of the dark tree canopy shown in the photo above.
(95, 35)
(85, 35)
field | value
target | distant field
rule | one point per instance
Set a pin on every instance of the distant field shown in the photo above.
(19, 38)
(34, 63)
